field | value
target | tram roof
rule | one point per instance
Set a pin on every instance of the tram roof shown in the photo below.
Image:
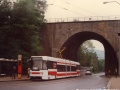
(57, 59)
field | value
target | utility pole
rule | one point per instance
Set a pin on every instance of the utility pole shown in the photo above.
(111, 2)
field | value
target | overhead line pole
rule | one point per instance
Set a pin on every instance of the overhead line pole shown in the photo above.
(111, 2)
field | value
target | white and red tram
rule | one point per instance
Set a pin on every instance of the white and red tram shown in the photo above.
(46, 67)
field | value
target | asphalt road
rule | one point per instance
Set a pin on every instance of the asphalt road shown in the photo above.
(75, 83)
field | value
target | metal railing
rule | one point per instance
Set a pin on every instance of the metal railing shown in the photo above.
(80, 19)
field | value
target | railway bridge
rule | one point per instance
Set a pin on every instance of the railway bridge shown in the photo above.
(73, 33)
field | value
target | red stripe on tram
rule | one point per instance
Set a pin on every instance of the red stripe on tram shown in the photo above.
(61, 74)
(35, 72)
(52, 72)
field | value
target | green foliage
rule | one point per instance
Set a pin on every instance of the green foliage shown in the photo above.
(20, 28)
(86, 53)
(101, 65)
(88, 57)
(5, 13)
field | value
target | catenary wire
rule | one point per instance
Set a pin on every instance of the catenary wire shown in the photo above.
(67, 9)
(79, 7)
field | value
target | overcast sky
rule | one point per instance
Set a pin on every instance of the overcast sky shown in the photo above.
(82, 8)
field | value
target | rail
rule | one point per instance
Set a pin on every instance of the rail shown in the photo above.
(80, 19)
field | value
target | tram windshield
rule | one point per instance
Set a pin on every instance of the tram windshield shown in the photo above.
(38, 63)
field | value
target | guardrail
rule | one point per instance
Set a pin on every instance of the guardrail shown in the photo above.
(79, 19)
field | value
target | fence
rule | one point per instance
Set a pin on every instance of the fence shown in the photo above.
(80, 19)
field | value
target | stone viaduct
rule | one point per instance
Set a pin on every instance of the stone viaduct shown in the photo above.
(72, 34)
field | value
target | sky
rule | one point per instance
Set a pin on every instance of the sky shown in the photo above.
(82, 8)
(98, 45)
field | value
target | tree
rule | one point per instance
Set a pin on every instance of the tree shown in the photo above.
(101, 65)
(5, 13)
(86, 52)
(88, 56)
(20, 28)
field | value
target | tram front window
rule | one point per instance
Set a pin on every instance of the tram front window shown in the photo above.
(37, 63)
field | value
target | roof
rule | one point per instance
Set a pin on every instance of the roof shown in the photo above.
(58, 59)
(7, 60)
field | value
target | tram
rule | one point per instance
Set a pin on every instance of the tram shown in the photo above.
(45, 67)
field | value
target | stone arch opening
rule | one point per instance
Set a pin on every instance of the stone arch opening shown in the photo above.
(73, 43)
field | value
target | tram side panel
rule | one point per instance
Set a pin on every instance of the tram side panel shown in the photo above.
(52, 69)
(61, 70)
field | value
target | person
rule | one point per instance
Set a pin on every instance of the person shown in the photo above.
(13, 72)
(116, 72)
(109, 72)
(28, 72)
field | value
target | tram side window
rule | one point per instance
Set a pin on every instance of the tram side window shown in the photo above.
(61, 68)
(44, 65)
(68, 68)
(51, 65)
(73, 68)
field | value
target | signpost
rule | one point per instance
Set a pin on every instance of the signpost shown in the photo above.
(19, 66)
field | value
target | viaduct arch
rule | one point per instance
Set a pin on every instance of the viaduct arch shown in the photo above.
(72, 34)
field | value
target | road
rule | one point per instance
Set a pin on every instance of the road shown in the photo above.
(83, 82)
